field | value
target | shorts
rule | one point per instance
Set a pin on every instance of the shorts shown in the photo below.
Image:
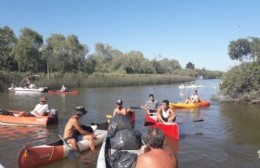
(76, 137)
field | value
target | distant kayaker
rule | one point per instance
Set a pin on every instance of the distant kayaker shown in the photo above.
(165, 113)
(63, 88)
(39, 110)
(154, 155)
(187, 100)
(152, 103)
(119, 109)
(73, 125)
(195, 97)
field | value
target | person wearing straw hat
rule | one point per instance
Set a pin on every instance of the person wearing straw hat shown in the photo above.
(40, 109)
(73, 125)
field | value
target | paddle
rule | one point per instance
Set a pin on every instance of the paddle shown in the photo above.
(150, 110)
(73, 154)
(152, 123)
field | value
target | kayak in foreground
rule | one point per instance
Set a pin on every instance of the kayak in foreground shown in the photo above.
(35, 156)
(10, 117)
(170, 129)
(202, 103)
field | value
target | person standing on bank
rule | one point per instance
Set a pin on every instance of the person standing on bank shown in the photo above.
(165, 113)
(154, 155)
(152, 103)
(72, 126)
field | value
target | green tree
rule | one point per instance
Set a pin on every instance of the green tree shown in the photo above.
(255, 48)
(76, 54)
(55, 53)
(239, 49)
(27, 50)
(7, 42)
(190, 65)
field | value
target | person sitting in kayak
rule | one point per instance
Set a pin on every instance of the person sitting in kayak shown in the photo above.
(120, 109)
(165, 113)
(63, 88)
(187, 100)
(73, 126)
(152, 104)
(154, 155)
(195, 97)
(40, 109)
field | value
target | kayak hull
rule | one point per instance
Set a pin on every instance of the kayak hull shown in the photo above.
(13, 119)
(170, 129)
(35, 156)
(202, 103)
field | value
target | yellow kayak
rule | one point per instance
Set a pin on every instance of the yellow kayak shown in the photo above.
(202, 103)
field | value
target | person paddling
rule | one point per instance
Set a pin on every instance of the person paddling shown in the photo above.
(119, 109)
(152, 104)
(165, 113)
(73, 126)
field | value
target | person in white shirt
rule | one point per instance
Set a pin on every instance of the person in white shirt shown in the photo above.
(39, 110)
(63, 88)
(194, 98)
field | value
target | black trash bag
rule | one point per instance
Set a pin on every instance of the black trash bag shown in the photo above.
(118, 122)
(4, 112)
(122, 159)
(126, 139)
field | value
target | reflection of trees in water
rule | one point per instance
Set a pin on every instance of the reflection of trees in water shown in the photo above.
(12, 133)
(241, 122)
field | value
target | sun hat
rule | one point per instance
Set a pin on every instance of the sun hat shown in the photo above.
(80, 110)
(119, 102)
(43, 99)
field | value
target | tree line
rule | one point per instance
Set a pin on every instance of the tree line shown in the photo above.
(30, 53)
(242, 82)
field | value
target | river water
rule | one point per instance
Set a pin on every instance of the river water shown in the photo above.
(228, 137)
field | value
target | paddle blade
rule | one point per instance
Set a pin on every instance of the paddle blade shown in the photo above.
(200, 120)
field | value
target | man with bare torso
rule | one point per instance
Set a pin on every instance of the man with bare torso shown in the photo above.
(155, 156)
(120, 109)
(72, 126)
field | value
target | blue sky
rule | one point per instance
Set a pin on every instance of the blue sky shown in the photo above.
(186, 30)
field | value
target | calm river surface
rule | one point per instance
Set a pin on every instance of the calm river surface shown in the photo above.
(228, 137)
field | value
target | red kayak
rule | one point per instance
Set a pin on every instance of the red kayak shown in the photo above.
(73, 92)
(170, 129)
(10, 117)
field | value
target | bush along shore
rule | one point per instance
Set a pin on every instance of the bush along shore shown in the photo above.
(77, 80)
(241, 84)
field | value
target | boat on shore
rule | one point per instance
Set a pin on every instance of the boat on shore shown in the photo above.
(189, 86)
(73, 92)
(201, 103)
(11, 117)
(170, 129)
(35, 156)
